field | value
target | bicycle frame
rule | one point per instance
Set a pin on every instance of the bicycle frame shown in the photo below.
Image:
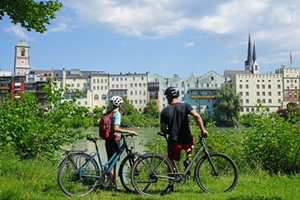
(106, 167)
(202, 149)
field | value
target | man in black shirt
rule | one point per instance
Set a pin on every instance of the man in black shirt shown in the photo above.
(174, 122)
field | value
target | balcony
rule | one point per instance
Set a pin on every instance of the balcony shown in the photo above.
(210, 96)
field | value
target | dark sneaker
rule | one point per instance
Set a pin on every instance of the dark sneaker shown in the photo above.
(186, 164)
(115, 188)
(169, 189)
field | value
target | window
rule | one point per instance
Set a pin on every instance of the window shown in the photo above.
(263, 93)
(257, 94)
(263, 86)
(241, 94)
(247, 109)
(279, 100)
(270, 100)
(270, 93)
(278, 86)
(264, 101)
(257, 86)
(279, 93)
(96, 97)
(247, 93)
(131, 85)
(247, 100)
(258, 101)
(247, 86)
(23, 52)
(112, 79)
(241, 86)
(269, 86)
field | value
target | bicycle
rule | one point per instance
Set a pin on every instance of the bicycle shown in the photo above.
(214, 172)
(79, 173)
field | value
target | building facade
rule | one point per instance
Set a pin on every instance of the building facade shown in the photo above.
(273, 90)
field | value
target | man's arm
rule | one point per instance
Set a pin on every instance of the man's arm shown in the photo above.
(163, 127)
(199, 122)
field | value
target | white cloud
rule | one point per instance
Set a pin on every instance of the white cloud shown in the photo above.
(273, 24)
(61, 27)
(189, 44)
(17, 31)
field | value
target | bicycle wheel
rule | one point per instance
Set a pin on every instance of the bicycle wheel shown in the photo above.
(125, 171)
(149, 174)
(74, 183)
(219, 176)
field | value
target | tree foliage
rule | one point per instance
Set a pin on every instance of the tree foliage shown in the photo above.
(227, 106)
(29, 13)
(151, 109)
(31, 130)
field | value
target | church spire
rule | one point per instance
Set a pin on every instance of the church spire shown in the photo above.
(249, 61)
(254, 53)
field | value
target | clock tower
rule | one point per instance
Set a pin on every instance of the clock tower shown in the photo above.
(22, 58)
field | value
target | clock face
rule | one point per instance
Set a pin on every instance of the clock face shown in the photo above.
(22, 61)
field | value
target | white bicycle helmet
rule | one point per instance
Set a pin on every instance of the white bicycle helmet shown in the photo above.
(116, 100)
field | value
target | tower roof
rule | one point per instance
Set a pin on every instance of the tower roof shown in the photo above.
(254, 53)
(22, 43)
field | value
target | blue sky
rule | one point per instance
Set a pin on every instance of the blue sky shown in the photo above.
(163, 37)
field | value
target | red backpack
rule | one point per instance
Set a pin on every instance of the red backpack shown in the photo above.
(105, 126)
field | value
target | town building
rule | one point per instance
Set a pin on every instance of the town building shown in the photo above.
(273, 90)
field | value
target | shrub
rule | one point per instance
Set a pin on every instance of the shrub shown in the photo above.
(32, 131)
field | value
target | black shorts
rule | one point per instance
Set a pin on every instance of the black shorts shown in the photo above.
(111, 146)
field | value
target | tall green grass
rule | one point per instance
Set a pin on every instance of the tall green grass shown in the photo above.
(32, 179)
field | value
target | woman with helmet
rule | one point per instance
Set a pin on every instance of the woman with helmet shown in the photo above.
(174, 122)
(112, 144)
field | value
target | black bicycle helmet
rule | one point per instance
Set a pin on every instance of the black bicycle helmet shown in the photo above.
(172, 92)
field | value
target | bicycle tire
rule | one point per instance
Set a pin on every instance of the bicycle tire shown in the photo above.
(149, 174)
(69, 179)
(125, 172)
(225, 178)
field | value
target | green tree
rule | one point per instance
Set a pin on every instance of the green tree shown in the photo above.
(29, 13)
(228, 106)
(151, 109)
(32, 131)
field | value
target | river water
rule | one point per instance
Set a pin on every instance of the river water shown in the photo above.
(144, 134)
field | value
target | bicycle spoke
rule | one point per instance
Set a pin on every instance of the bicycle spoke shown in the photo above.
(150, 174)
(219, 177)
(74, 183)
